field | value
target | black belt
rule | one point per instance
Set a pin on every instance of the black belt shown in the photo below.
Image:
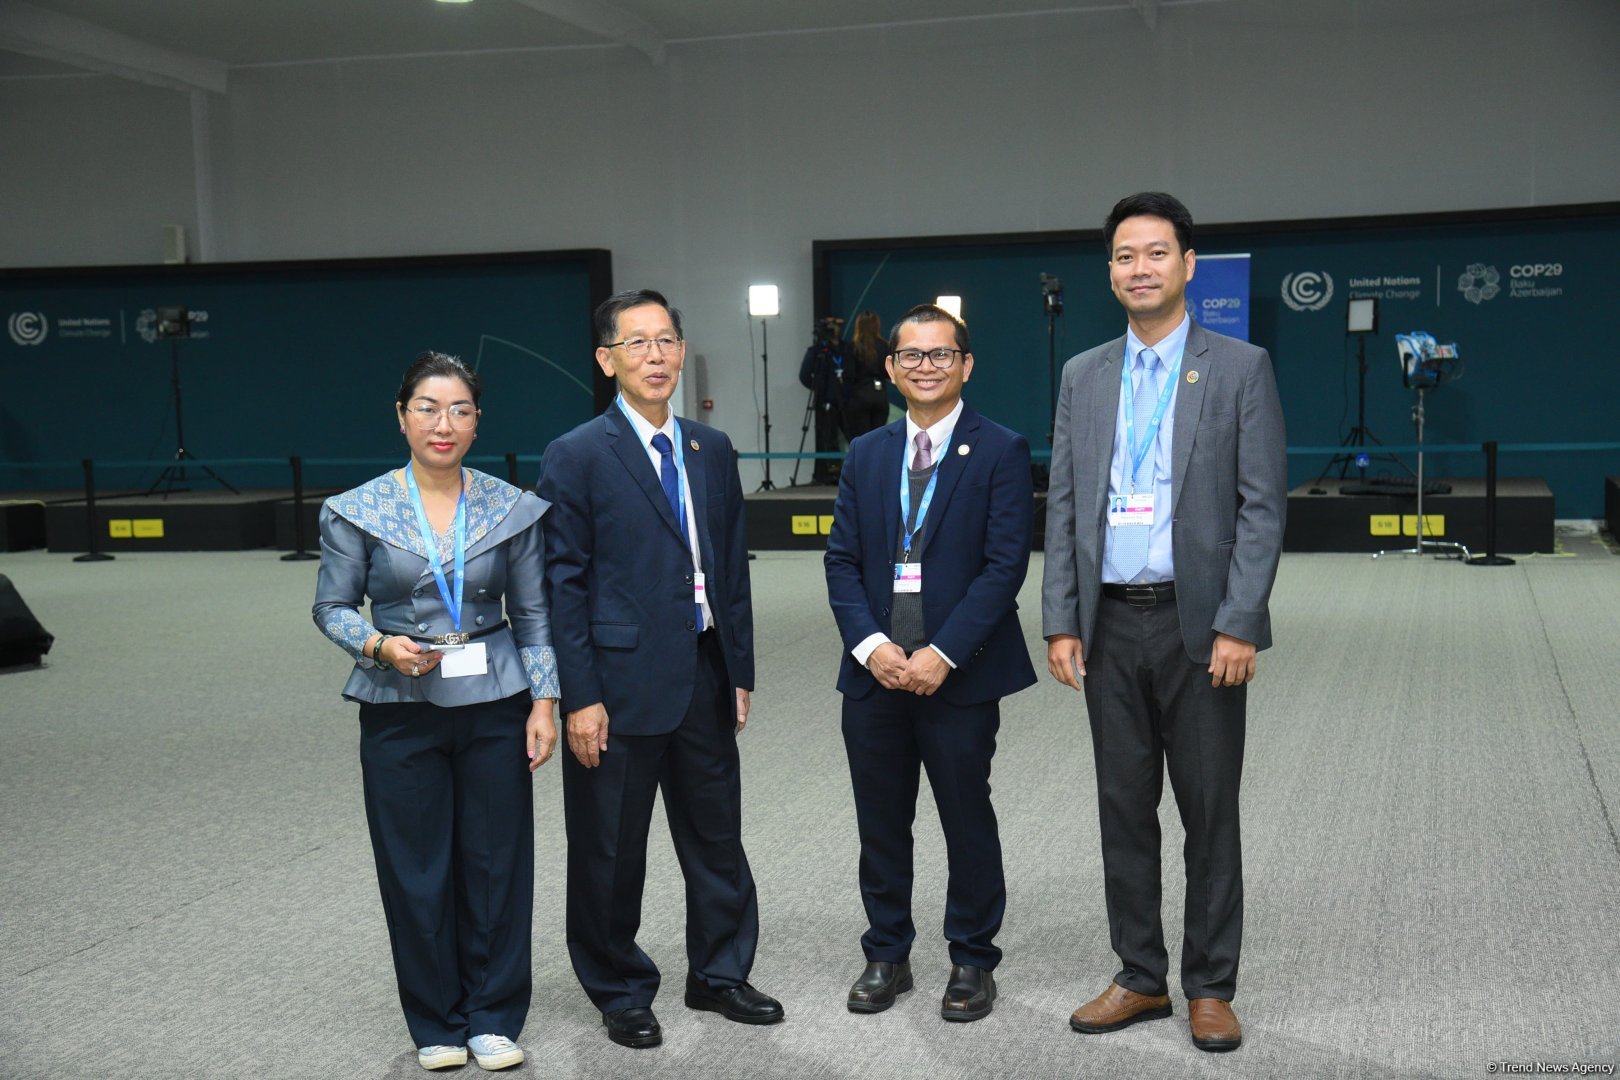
(1146, 594)
(451, 639)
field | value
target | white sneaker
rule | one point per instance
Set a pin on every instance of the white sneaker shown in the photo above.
(494, 1051)
(441, 1057)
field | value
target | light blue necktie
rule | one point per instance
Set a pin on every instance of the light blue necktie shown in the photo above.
(1131, 541)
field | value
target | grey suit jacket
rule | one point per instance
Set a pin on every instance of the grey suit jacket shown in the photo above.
(371, 545)
(1228, 485)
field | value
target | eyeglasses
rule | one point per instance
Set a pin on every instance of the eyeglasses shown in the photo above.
(642, 346)
(427, 416)
(940, 358)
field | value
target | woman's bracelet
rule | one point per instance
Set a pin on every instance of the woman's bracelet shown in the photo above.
(376, 653)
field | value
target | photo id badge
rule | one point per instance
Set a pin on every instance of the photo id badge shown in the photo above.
(470, 659)
(1130, 510)
(907, 577)
(699, 596)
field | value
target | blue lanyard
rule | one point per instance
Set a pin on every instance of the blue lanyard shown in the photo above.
(1138, 454)
(906, 523)
(452, 604)
(680, 467)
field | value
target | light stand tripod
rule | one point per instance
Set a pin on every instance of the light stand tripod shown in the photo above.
(764, 302)
(1359, 435)
(765, 374)
(174, 323)
(1442, 548)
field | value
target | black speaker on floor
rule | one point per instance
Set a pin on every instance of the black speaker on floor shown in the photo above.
(22, 639)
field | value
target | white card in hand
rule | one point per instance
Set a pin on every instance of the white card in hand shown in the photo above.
(472, 659)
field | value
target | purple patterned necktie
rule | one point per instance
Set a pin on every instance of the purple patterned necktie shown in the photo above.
(925, 453)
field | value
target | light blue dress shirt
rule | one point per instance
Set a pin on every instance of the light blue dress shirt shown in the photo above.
(1161, 565)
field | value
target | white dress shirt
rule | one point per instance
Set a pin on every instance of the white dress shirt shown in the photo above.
(645, 432)
(939, 434)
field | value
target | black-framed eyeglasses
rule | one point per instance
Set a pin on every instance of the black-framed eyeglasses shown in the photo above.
(940, 358)
(643, 346)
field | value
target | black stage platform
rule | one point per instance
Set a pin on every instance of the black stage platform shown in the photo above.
(1338, 522)
(183, 521)
(788, 519)
(799, 518)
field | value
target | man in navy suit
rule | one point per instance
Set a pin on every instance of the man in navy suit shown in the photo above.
(647, 573)
(929, 546)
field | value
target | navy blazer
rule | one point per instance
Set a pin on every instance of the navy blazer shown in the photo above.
(619, 572)
(975, 555)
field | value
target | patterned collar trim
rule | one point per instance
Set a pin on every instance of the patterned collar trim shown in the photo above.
(382, 508)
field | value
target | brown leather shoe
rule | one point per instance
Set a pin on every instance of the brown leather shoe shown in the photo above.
(1117, 1007)
(1214, 1025)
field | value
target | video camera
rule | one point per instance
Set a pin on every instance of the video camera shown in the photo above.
(829, 329)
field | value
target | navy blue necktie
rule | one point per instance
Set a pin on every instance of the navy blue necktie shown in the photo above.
(672, 491)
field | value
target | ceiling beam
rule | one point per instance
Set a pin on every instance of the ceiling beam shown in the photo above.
(50, 35)
(1150, 12)
(606, 20)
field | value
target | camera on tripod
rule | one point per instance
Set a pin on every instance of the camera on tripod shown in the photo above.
(829, 329)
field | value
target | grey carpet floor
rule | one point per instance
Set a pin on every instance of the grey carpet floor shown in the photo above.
(1432, 788)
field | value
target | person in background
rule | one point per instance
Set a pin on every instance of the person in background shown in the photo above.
(456, 712)
(866, 394)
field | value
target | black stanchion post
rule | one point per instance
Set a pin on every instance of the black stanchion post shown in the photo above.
(512, 469)
(300, 552)
(1490, 558)
(91, 537)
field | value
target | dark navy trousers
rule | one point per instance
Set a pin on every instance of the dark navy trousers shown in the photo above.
(609, 812)
(450, 803)
(890, 735)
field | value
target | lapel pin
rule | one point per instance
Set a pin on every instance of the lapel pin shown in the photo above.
(693, 444)
(963, 450)
(1192, 376)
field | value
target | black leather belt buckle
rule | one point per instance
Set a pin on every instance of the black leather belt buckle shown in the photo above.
(1145, 594)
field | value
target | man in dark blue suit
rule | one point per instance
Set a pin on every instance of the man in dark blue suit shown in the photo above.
(929, 546)
(647, 573)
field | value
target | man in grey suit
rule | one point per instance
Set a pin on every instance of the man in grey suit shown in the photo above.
(1163, 530)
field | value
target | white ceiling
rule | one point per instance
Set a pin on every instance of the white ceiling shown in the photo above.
(237, 33)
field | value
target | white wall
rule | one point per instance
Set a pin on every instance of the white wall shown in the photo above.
(720, 168)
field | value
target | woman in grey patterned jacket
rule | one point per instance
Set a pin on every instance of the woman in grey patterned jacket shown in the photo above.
(456, 697)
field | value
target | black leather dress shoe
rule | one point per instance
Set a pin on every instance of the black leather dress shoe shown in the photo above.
(969, 995)
(879, 985)
(634, 1028)
(741, 1003)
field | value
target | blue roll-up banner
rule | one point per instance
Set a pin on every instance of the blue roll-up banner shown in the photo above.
(1218, 294)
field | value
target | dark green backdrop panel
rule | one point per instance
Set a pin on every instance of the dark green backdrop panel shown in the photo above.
(1539, 365)
(290, 359)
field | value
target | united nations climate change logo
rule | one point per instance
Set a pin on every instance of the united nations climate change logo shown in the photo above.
(27, 327)
(1308, 290)
(1479, 283)
(146, 326)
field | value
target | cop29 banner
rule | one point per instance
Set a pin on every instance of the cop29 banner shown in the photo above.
(1218, 294)
(1526, 295)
